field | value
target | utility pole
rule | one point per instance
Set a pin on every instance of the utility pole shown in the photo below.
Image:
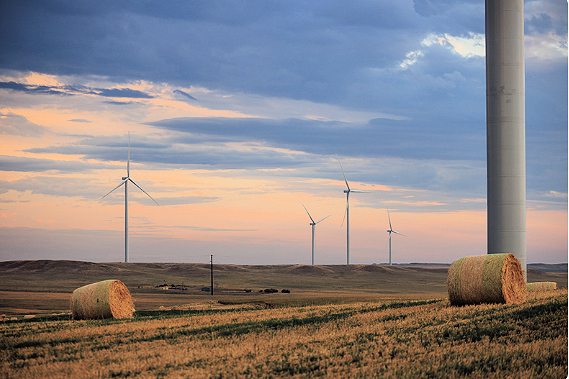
(211, 272)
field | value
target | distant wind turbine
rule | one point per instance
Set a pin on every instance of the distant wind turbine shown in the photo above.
(347, 214)
(391, 231)
(125, 180)
(313, 227)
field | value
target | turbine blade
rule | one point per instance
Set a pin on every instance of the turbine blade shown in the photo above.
(346, 180)
(389, 218)
(308, 213)
(359, 191)
(123, 182)
(140, 188)
(128, 160)
(347, 206)
(323, 219)
(401, 234)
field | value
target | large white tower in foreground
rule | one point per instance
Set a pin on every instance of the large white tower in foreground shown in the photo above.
(505, 128)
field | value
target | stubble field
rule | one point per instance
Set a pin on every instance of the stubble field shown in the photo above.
(404, 339)
(357, 334)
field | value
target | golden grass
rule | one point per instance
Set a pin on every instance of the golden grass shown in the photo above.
(406, 339)
(541, 286)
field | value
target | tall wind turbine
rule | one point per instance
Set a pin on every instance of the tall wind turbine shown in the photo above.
(391, 231)
(347, 214)
(313, 227)
(125, 180)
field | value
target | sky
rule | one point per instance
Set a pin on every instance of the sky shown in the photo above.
(239, 113)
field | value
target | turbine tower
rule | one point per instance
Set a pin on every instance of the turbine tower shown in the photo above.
(505, 128)
(347, 213)
(125, 180)
(313, 227)
(391, 231)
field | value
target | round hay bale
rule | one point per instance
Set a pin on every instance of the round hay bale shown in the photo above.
(541, 286)
(106, 299)
(489, 278)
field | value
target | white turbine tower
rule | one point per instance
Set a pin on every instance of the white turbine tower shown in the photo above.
(313, 227)
(347, 213)
(125, 180)
(391, 231)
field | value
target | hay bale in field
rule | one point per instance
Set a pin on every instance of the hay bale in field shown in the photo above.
(541, 286)
(106, 299)
(489, 278)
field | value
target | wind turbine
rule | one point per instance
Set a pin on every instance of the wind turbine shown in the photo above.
(391, 231)
(313, 227)
(125, 180)
(347, 214)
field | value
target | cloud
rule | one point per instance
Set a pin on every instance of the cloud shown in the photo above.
(205, 229)
(471, 46)
(18, 87)
(317, 51)
(123, 92)
(26, 164)
(187, 95)
(113, 102)
(378, 137)
(14, 124)
(300, 50)
(182, 200)
(417, 63)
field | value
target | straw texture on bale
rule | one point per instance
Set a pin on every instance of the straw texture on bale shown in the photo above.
(106, 299)
(541, 286)
(489, 278)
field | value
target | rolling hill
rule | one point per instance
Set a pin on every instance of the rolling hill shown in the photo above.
(30, 286)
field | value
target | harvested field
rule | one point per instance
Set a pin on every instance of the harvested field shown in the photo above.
(404, 339)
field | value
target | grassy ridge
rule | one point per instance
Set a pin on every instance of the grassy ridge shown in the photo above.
(407, 339)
